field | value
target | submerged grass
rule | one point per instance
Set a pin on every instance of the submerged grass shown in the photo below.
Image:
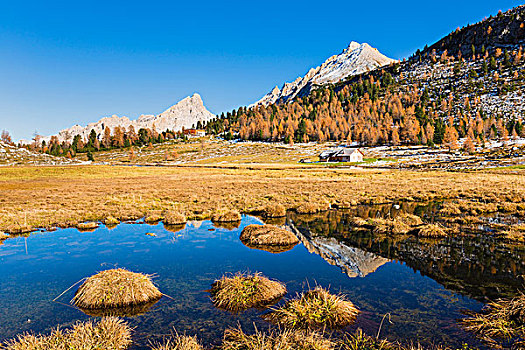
(501, 323)
(244, 291)
(267, 235)
(316, 308)
(109, 333)
(116, 288)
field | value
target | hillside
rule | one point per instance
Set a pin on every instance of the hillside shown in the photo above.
(437, 96)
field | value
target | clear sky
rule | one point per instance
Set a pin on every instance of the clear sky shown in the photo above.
(73, 62)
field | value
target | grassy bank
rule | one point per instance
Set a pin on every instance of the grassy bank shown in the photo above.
(65, 196)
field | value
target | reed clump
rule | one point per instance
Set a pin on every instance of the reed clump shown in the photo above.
(361, 341)
(431, 230)
(111, 221)
(152, 218)
(226, 216)
(174, 218)
(236, 339)
(244, 291)
(316, 308)
(501, 321)
(109, 333)
(275, 210)
(267, 235)
(86, 226)
(116, 288)
(307, 208)
(178, 342)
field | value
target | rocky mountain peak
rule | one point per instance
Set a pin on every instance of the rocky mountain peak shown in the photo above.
(355, 59)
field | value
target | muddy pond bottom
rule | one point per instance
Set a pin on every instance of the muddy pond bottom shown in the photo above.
(186, 260)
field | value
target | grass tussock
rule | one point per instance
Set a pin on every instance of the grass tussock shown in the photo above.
(174, 218)
(227, 216)
(316, 308)
(116, 288)
(307, 208)
(111, 221)
(3, 236)
(432, 230)
(244, 291)
(152, 218)
(87, 226)
(501, 323)
(267, 235)
(275, 210)
(109, 333)
(361, 341)
(236, 339)
(178, 342)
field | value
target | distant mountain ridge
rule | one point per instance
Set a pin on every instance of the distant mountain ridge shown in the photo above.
(355, 59)
(184, 114)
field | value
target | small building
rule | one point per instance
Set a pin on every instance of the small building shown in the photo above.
(352, 155)
(195, 132)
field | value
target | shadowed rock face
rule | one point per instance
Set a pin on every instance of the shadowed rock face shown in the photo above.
(185, 113)
(354, 262)
(355, 59)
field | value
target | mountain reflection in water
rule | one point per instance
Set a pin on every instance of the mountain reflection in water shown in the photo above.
(477, 266)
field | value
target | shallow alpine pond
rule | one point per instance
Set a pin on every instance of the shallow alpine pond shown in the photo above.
(380, 278)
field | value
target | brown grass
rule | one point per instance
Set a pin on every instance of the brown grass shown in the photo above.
(174, 218)
(244, 291)
(227, 216)
(111, 221)
(267, 235)
(87, 226)
(153, 218)
(109, 333)
(178, 342)
(116, 288)
(431, 230)
(316, 308)
(501, 321)
(32, 197)
(275, 210)
(236, 339)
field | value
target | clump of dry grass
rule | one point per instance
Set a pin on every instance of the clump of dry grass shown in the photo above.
(152, 218)
(116, 288)
(244, 291)
(111, 221)
(316, 308)
(267, 235)
(226, 216)
(275, 210)
(431, 230)
(408, 219)
(86, 226)
(19, 229)
(178, 342)
(307, 208)
(3, 236)
(501, 321)
(174, 218)
(236, 339)
(361, 341)
(109, 333)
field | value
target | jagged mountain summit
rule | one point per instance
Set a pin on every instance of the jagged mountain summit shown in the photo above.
(184, 114)
(355, 59)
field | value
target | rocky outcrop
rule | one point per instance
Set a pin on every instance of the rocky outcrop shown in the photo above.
(355, 59)
(184, 114)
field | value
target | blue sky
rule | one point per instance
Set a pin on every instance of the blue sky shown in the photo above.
(73, 62)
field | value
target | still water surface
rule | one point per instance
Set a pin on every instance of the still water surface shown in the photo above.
(36, 269)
